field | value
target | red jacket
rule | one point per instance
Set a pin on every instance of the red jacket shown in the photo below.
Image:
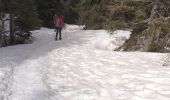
(58, 21)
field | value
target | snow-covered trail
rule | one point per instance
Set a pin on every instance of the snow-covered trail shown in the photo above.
(88, 71)
(83, 67)
(27, 79)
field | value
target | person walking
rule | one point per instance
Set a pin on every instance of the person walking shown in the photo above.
(59, 24)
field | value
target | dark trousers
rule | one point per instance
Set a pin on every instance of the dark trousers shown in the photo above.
(58, 31)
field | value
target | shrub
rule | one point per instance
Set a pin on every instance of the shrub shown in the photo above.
(155, 47)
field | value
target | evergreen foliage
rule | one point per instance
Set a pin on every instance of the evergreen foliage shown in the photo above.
(22, 18)
(149, 19)
(27, 17)
(155, 37)
(65, 8)
(113, 14)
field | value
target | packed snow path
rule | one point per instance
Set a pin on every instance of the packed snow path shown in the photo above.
(81, 67)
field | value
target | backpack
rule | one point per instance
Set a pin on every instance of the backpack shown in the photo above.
(59, 22)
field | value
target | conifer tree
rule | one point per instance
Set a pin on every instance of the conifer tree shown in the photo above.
(46, 10)
(23, 18)
(0, 22)
(93, 13)
(152, 34)
(27, 17)
(66, 8)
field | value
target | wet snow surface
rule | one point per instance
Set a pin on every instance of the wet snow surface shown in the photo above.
(81, 67)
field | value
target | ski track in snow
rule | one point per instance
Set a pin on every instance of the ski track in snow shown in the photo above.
(83, 67)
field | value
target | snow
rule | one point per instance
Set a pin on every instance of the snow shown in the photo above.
(81, 67)
(112, 41)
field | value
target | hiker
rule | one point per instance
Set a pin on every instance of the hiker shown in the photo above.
(59, 24)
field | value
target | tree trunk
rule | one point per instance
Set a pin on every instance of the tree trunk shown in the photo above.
(11, 29)
(3, 41)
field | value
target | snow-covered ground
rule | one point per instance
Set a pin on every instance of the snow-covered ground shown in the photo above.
(81, 67)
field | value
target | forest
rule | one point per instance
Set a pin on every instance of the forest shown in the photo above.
(148, 19)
